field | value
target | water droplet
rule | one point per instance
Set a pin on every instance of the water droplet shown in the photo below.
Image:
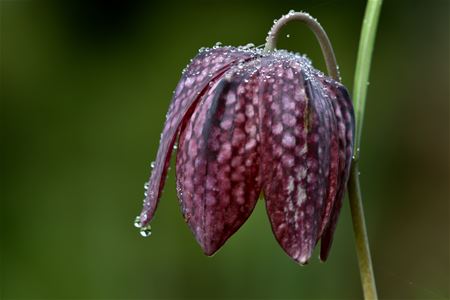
(146, 185)
(292, 12)
(137, 222)
(175, 147)
(218, 44)
(146, 231)
(248, 46)
(288, 35)
(152, 164)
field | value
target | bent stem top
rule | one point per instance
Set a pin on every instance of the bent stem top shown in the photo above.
(322, 37)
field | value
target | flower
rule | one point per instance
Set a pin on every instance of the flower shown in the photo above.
(251, 122)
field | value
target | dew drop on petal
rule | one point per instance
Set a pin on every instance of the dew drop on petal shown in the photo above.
(146, 231)
(248, 46)
(137, 222)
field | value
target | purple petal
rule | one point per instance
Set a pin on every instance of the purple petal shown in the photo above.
(333, 174)
(295, 154)
(328, 139)
(345, 120)
(203, 70)
(218, 179)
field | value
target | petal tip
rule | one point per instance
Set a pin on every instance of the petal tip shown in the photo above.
(303, 260)
(301, 257)
(325, 248)
(209, 250)
(323, 257)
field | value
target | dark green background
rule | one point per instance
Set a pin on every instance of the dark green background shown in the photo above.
(84, 91)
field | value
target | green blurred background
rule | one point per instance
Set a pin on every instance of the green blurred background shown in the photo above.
(85, 86)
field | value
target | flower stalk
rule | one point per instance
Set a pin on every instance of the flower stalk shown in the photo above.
(361, 82)
(316, 28)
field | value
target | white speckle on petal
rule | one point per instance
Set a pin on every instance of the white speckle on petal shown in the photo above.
(288, 140)
(277, 128)
(226, 124)
(249, 111)
(231, 98)
(301, 196)
(290, 186)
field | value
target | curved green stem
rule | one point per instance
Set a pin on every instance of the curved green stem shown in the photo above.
(322, 38)
(361, 82)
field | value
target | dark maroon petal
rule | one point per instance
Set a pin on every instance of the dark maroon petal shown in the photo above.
(333, 174)
(295, 145)
(218, 179)
(345, 119)
(204, 69)
(329, 136)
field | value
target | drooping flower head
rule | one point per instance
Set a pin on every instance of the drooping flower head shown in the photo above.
(251, 122)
